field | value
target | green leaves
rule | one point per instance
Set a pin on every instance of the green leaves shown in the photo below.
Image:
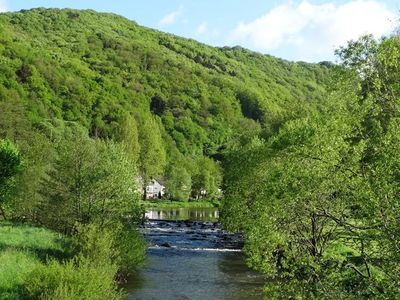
(10, 160)
(318, 201)
(10, 165)
(178, 182)
(107, 73)
(91, 181)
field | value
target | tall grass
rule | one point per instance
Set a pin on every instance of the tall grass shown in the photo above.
(23, 249)
(36, 263)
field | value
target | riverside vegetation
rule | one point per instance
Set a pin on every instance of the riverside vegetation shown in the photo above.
(89, 102)
(319, 201)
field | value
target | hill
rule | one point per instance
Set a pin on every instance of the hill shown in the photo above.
(176, 103)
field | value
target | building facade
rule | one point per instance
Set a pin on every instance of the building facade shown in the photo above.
(155, 190)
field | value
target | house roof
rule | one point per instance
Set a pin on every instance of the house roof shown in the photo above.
(154, 181)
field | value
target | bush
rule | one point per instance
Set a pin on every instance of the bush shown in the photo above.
(78, 278)
(103, 254)
(89, 275)
(128, 249)
(131, 251)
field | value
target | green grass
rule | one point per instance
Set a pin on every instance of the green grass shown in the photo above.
(14, 267)
(22, 249)
(179, 204)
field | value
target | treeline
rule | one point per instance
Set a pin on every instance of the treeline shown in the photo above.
(175, 103)
(319, 201)
(82, 188)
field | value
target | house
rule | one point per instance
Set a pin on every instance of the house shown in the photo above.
(155, 190)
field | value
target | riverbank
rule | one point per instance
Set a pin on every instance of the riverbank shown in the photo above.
(179, 204)
(23, 249)
(38, 263)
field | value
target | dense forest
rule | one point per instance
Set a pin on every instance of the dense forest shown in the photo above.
(93, 105)
(176, 103)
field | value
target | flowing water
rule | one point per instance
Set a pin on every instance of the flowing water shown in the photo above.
(190, 257)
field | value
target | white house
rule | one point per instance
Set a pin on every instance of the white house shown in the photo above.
(155, 190)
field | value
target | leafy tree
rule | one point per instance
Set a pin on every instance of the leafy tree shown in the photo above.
(178, 182)
(127, 134)
(208, 180)
(39, 155)
(319, 198)
(92, 181)
(153, 156)
(10, 163)
(66, 69)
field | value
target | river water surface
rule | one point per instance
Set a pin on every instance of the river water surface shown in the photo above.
(190, 257)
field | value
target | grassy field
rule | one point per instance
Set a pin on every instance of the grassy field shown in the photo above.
(179, 204)
(22, 249)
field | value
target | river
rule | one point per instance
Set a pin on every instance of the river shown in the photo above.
(190, 257)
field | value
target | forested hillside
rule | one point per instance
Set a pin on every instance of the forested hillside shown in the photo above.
(307, 155)
(176, 104)
(92, 103)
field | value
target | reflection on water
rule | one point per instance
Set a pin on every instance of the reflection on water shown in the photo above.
(193, 258)
(194, 214)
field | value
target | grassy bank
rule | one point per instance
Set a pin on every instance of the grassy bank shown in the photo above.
(179, 204)
(23, 249)
(37, 263)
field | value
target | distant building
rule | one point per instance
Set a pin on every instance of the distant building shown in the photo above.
(155, 190)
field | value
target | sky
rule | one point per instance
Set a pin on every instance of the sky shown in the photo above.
(307, 30)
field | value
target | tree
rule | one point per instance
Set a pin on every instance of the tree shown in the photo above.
(10, 163)
(178, 182)
(318, 201)
(92, 181)
(207, 182)
(39, 155)
(127, 133)
(152, 154)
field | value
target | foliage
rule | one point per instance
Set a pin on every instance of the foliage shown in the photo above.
(127, 246)
(156, 93)
(38, 154)
(91, 181)
(178, 183)
(152, 155)
(22, 248)
(127, 134)
(319, 200)
(10, 162)
(74, 279)
(207, 181)
(93, 102)
(101, 253)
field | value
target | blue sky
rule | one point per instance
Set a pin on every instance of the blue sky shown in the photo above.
(296, 30)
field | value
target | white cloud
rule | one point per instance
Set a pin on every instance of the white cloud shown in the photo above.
(314, 30)
(3, 6)
(171, 18)
(202, 28)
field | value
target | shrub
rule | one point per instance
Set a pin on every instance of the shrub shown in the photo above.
(128, 249)
(89, 275)
(102, 254)
(131, 251)
(78, 278)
